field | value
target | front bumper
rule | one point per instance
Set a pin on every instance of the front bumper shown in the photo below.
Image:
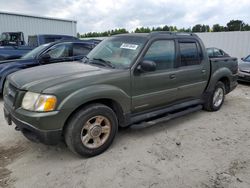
(242, 76)
(49, 137)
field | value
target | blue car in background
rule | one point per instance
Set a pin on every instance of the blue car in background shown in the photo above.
(59, 51)
(13, 46)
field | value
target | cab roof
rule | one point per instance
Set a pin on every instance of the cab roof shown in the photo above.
(158, 33)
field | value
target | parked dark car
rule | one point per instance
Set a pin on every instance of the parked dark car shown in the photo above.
(16, 51)
(47, 53)
(126, 79)
(216, 53)
(244, 69)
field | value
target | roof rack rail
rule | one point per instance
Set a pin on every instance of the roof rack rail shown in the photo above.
(172, 33)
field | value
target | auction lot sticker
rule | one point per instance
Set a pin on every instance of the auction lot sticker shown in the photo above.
(129, 46)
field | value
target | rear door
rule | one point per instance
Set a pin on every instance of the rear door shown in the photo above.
(193, 70)
(157, 88)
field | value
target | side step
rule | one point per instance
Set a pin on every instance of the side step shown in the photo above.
(166, 118)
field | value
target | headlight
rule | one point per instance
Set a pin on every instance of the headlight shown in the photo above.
(38, 102)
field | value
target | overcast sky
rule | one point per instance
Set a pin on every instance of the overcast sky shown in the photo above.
(101, 15)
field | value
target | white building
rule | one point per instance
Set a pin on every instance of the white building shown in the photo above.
(236, 43)
(32, 25)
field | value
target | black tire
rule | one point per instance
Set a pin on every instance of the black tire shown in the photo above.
(209, 101)
(73, 130)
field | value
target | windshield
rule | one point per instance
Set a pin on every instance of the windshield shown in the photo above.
(33, 53)
(119, 52)
(247, 58)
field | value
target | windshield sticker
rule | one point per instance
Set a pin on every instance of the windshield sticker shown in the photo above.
(129, 46)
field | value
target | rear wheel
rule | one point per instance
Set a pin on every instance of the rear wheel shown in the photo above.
(91, 130)
(215, 99)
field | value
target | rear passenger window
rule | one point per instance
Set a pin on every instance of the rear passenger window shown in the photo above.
(162, 52)
(80, 49)
(189, 54)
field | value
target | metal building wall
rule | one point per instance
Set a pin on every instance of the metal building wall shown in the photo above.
(236, 44)
(31, 25)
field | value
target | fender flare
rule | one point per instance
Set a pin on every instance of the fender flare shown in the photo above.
(218, 75)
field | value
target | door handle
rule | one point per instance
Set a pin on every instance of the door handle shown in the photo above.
(203, 71)
(172, 76)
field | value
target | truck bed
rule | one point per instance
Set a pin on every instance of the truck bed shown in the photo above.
(229, 62)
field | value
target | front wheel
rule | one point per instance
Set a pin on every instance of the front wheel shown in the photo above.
(216, 98)
(91, 130)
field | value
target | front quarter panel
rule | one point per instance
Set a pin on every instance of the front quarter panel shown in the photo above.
(91, 93)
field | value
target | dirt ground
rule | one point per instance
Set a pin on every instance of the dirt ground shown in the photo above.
(202, 149)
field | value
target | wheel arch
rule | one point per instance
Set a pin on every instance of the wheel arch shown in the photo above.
(114, 105)
(225, 80)
(223, 75)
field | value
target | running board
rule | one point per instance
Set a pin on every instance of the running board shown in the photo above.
(166, 118)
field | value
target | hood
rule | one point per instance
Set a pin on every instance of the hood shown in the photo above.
(244, 66)
(39, 78)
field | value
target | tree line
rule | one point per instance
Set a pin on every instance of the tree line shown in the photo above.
(233, 25)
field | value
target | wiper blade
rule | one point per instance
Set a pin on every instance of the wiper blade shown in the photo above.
(103, 62)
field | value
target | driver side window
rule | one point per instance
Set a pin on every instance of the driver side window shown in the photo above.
(59, 51)
(162, 52)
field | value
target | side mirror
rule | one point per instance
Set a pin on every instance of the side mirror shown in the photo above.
(44, 58)
(242, 58)
(146, 66)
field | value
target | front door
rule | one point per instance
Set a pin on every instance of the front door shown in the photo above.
(156, 88)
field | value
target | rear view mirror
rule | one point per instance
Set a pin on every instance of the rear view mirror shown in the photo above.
(146, 66)
(45, 58)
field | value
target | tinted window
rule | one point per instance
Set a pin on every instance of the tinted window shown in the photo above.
(210, 52)
(247, 59)
(189, 53)
(162, 52)
(59, 51)
(217, 52)
(80, 49)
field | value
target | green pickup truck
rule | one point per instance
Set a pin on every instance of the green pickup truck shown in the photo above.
(126, 80)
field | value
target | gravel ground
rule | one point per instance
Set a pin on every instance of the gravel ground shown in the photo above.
(202, 149)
